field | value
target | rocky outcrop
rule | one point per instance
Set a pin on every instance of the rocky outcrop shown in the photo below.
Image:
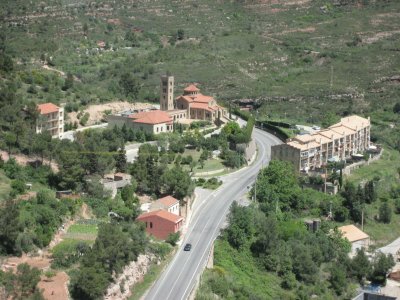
(131, 274)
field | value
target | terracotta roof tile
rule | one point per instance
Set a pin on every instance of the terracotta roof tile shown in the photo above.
(151, 117)
(191, 88)
(47, 108)
(161, 214)
(352, 233)
(168, 201)
(202, 98)
(200, 106)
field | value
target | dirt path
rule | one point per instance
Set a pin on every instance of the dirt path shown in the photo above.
(23, 160)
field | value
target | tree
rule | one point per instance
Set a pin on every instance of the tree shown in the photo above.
(28, 279)
(132, 39)
(192, 165)
(10, 139)
(90, 283)
(180, 34)
(338, 279)
(370, 192)
(9, 228)
(129, 84)
(277, 183)
(241, 228)
(120, 160)
(396, 108)
(381, 265)
(176, 182)
(85, 29)
(360, 267)
(385, 213)
(69, 82)
(233, 159)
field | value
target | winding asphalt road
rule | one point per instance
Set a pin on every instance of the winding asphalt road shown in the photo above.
(179, 278)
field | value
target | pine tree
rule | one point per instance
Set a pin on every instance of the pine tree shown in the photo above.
(120, 160)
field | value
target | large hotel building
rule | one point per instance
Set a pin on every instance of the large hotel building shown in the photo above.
(351, 136)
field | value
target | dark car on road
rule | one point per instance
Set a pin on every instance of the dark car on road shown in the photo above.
(187, 247)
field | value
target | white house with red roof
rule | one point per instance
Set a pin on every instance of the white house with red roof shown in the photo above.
(167, 203)
(51, 119)
(153, 121)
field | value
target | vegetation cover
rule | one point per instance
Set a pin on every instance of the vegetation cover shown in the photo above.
(272, 254)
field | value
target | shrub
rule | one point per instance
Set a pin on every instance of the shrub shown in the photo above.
(385, 213)
(173, 238)
(18, 186)
(83, 121)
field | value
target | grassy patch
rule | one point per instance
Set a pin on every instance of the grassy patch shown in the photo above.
(385, 172)
(240, 268)
(381, 234)
(87, 232)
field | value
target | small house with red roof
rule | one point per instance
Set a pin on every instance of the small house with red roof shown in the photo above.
(167, 203)
(161, 223)
(50, 119)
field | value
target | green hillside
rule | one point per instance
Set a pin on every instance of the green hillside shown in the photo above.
(308, 56)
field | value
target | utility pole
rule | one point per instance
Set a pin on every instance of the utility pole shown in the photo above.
(326, 175)
(362, 219)
(255, 190)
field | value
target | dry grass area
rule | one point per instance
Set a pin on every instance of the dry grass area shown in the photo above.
(97, 111)
(56, 287)
(23, 160)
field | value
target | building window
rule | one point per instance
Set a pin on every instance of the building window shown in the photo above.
(151, 224)
(146, 224)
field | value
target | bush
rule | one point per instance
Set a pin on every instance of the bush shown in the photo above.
(385, 213)
(173, 238)
(83, 120)
(18, 186)
(397, 205)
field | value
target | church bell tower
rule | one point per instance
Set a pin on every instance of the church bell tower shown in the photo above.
(167, 93)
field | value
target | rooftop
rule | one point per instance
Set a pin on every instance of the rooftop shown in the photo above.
(47, 108)
(352, 233)
(191, 88)
(354, 122)
(161, 214)
(151, 117)
(168, 201)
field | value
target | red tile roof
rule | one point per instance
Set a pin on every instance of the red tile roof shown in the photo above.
(151, 117)
(163, 214)
(191, 88)
(168, 201)
(186, 98)
(202, 98)
(47, 108)
(200, 106)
